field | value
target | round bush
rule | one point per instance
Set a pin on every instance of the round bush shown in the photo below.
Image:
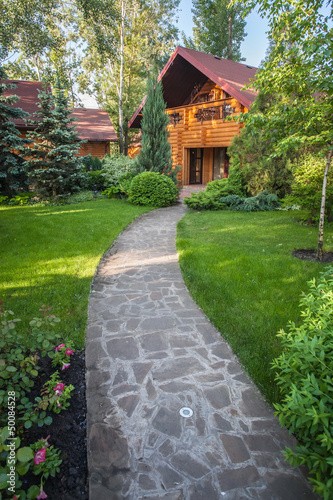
(153, 189)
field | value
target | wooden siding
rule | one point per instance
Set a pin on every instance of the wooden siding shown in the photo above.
(201, 125)
(95, 148)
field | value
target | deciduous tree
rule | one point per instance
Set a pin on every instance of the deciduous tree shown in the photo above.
(219, 28)
(300, 69)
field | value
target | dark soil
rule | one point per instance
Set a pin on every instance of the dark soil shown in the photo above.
(67, 433)
(307, 254)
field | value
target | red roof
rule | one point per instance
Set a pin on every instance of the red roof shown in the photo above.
(28, 96)
(91, 124)
(94, 125)
(188, 67)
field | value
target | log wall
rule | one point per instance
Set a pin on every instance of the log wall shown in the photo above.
(197, 126)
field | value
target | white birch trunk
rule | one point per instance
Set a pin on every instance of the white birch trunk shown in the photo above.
(320, 251)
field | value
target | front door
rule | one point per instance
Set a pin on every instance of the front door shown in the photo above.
(196, 157)
(220, 163)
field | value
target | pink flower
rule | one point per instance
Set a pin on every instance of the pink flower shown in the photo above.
(40, 456)
(59, 405)
(41, 495)
(46, 439)
(59, 388)
(69, 352)
(65, 365)
(59, 347)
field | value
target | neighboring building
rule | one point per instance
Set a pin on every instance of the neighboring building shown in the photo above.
(92, 125)
(200, 91)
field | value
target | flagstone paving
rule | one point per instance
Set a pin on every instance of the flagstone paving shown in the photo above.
(150, 352)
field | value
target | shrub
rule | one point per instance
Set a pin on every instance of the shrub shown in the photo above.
(92, 163)
(304, 375)
(229, 185)
(153, 189)
(262, 202)
(95, 178)
(115, 167)
(204, 200)
(307, 187)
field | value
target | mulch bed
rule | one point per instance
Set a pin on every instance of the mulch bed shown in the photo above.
(67, 432)
(307, 254)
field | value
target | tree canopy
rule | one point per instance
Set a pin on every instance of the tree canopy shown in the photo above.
(219, 28)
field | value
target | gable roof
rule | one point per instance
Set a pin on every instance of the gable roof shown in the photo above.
(91, 124)
(188, 67)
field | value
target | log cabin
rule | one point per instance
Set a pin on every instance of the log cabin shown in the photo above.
(92, 125)
(201, 90)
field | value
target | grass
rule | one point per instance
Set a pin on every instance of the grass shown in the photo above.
(239, 268)
(48, 255)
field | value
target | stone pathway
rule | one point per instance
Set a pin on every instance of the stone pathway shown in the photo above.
(151, 351)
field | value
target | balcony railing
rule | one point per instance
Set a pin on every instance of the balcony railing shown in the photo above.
(204, 112)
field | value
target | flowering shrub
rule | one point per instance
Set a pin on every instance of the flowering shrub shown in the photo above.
(18, 371)
(62, 355)
(55, 395)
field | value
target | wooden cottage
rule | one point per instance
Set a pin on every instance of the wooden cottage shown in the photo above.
(200, 91)
(92, 125)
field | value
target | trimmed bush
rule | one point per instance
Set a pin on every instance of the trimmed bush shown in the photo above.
(153, 189)
(304, 375)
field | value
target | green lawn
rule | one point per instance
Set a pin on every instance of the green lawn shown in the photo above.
(239, 268)
(48, 255)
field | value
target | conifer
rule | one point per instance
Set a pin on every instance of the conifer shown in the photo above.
(12, 173)
(155, 154)
(53, 164)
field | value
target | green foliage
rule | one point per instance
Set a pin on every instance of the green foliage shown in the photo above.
(155, 154)
(306, 188)
(211, 199)
(153, 189)
(304, 375)
(12, 174)
(21, 199)
(115, 167)
(233, 184)
(95, 180)
(204, 200)
(92, 163)
(219, 28)
(55, 395)
(53, 165)
(262, 202)
(252, 151)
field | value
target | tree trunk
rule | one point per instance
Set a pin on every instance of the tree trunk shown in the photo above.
(320, 251)
(230, 38)
(121, 80)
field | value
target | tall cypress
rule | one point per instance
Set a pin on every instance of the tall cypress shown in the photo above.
(155, 154)
(12, 172)
(53, 164)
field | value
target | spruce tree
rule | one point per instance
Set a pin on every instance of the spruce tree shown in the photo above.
(53, 166)
(155, 154)
(12, 173)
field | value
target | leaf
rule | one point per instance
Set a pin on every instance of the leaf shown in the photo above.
(28, 424)
(33, 491)
(48, 420)
(25, 454)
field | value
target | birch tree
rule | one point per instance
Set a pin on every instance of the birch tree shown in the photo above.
(300, 69)
(122, 49)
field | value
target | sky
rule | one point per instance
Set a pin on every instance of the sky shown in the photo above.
(253, 48)
(255, 44)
